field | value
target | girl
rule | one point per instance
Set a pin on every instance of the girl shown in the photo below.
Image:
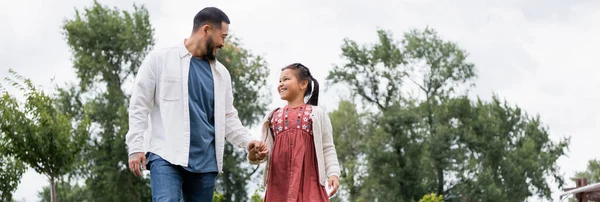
(302, 159)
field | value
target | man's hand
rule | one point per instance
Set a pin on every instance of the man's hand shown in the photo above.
(333, 183)
(257, 150)
(135, 160)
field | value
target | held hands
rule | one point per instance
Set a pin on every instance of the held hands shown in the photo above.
(136, 162)
(333, 184)
(257, 150)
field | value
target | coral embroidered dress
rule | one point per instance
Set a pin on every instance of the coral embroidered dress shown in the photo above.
(293, 174)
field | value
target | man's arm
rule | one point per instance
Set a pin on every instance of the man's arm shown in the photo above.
(235, 132)
(140, 105)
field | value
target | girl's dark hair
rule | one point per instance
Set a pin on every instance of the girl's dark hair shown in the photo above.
(304, 75)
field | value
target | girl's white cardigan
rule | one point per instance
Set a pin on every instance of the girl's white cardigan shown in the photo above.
(326, 155)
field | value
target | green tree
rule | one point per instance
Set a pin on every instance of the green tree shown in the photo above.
(40, 135)
(249, 74)
(592, 173)
(108, 45)
(438, 67)
(11, 171)
(395, 156)
(374, 73)
(349, 129)
(438, 140)
(510, 155)
(122, 39)
(65, 192)
(377, 73)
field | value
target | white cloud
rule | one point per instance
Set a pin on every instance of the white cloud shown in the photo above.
(538, 54)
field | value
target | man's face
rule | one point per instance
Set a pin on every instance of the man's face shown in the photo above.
(215, 40)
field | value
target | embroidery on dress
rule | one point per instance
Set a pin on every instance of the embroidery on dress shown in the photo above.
(307, 120)
(280, 122)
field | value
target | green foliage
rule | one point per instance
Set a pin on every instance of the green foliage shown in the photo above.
(432, 198)
(65, 192)
(437, 140)
(394, 155)
(510, 154)
(348, 131)
(38, 133)
(439, 65)
(11, 171)
(374, 73)
(257, 196)
(217, 197)
(249, 75)
(108, 46)
(592, 173)
(411, 147)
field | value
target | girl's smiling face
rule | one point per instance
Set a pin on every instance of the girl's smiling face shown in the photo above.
(290, 87)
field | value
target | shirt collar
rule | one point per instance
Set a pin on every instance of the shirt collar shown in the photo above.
(183, 52)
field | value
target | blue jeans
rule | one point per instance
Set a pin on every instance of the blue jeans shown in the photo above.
(169, 182)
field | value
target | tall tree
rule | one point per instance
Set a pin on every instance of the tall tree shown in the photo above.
(349, 129)
(375, 73)
(438, 68)
(45, 138)
(249, 75)
(108, 46)
(510, 154)
(395, 156)
(438, 140)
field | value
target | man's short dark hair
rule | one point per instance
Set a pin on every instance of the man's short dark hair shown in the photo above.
(210, 15)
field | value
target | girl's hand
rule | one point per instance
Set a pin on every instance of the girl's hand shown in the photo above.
(258, 152)
(261, 152)
(252, 155)
(333, 183)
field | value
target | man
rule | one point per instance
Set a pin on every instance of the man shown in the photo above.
(186, 97)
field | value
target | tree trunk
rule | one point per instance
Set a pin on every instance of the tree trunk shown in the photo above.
(52, 189)
(440, 188)
(437, 160)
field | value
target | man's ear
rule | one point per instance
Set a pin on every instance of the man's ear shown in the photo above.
(205, 28)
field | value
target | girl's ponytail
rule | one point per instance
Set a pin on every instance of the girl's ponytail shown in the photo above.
(314, 96)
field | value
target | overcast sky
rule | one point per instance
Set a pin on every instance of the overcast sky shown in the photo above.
(538, 55)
